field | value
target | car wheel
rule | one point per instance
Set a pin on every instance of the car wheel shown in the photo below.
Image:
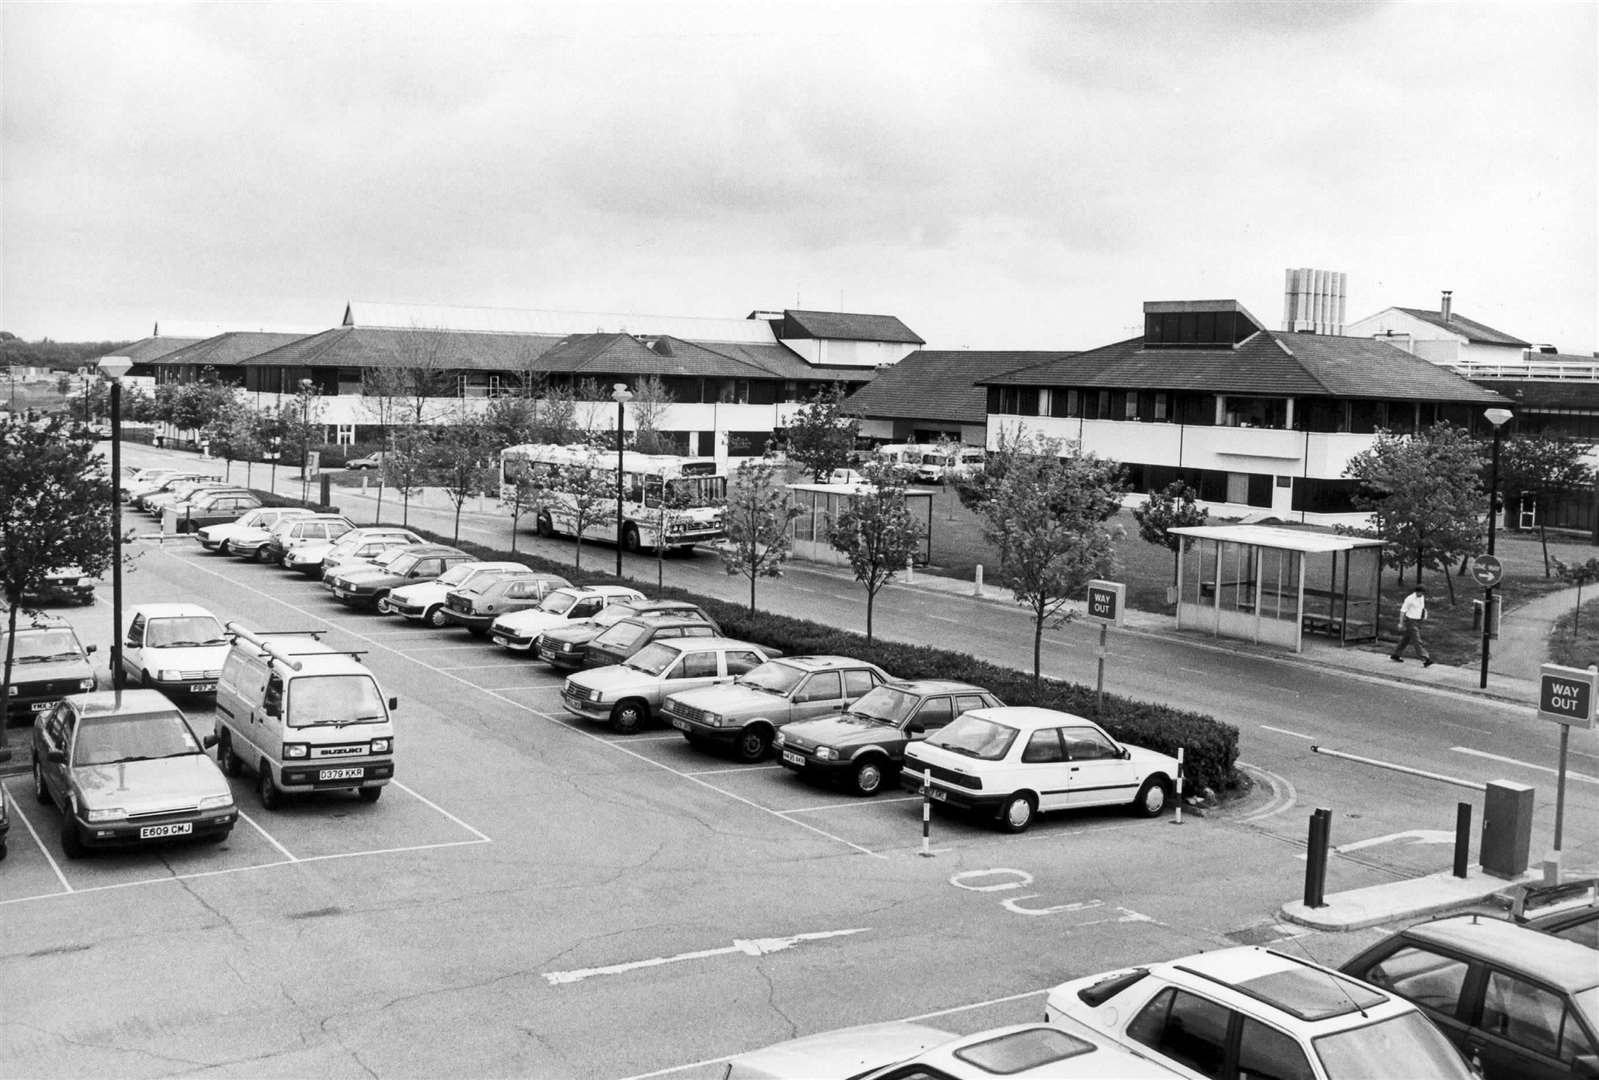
(262, 554)
(545, 526)
(40, 792)
(371, 794)
(145, 680)
(630, 538)
(2, 850)
(71, 839)
(435, 617)
(223, 549)
(629, 716)
(752, 744)
(477, 631)
(218, 836)
(1151, 798)
(271, 796)
(1017, 813)
(382, 604)
(227, 760)
(868, 779)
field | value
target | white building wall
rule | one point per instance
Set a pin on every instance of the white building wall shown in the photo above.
(862, 354)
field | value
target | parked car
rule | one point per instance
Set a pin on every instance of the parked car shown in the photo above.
(182, 491)
(253, 527)
(360, 543)
(564, 646)
(213, 507)
(5, 805)
(1523, 1003)
(369, 461)
(142, 480)
(1569, 910)
(315, 529)
(125, 766)
(366, 587)
(479, 602)
(628, 694)
(836, 1055)
(63, 585)
(865, 744)
(1017, 762)
(1249, 1012)
(519, 630)
(174, 648)
(379, 554)
(425, 601)
(621, 640)
(48, 664)
(160, 480)
(747, 713)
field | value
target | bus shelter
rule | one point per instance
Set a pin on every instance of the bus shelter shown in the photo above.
(819, 506)
(1273, 585)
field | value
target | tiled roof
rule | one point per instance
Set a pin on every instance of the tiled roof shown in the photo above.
(368, 347)
(1466, 328)
(227, 350)
(937, 384)
(844, 326)
(1269, 363)
(151, 349)
(550, 323)
(728, 361)
(1545, 393)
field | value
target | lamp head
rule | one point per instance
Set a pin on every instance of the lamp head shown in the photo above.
(620, 392)
(114, 367)
(307, 385)
(1497, 417)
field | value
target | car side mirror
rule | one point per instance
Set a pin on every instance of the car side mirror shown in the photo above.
(394, 703)
(56, 757)
(1126, 754)
(90, 648)
(209, 741)
(915, 728)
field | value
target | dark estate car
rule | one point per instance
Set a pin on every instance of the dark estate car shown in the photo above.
(214, 507)
(1523, 1003)
(865, 744)
(565, 646)
(480, 601)
(363, 585)
(50, 663)
(66, 585)
(617, 642)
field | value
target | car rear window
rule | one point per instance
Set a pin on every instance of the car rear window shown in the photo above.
(1404, 1045)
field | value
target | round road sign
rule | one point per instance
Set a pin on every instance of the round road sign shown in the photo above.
(1487, 570)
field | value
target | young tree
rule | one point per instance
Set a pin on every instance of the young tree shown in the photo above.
(651, 400)
(508, 421)
(461, 464)
(406, 466)
(1579, 574)
(821, 434)
(1541, 468)
(593, 411)
(521, 497)
(675, 500)
(555, 417)
(876, 532)
(54, 493)
(590, 497)
(1047, 516)
(1424, 493)
(1173, 507)
(421, 376)
(233, 433)
(756, 518)
(300, 425)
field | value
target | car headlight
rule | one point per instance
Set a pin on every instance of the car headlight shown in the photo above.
(113, 813)
(85, 684)
(168, 675)
(216, 802)
(779, 739)
(715, 719)
(11, 691)
(566, 646)
(382, 746)
(295, 750)
(826, 753)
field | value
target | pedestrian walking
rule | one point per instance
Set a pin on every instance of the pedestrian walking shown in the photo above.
(1412, 613)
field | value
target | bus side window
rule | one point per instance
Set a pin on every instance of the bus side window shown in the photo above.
(652, 491)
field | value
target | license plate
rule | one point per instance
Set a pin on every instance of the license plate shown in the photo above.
(340, 774)
(681, 725)
(498, 640)
(202, 687)
(340, 593)
(41, 706)
(151, 832)
(938, 794)
(792, 758)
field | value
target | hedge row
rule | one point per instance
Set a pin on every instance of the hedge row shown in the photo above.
(1210, 747)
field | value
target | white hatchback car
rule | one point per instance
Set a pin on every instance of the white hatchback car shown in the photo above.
(1248, 1011)
(175, 648)
(1019, 761)
(519, 630)
(628, 694)
(219, 538)
(424, 601)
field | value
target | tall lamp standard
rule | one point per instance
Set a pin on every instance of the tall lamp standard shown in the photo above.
(621, 395)
(114, 368)
(1496, 417)
(306, 386)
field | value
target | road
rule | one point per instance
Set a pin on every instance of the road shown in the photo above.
(538, 897)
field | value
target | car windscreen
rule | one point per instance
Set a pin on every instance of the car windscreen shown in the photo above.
(334, 699)
(654, 658)
(1404, 1045)
(39, 645)
(108, 740)
(885, 703)
(396, 560)
(623, 637)
(558, 601)
(459, 573)
(975, 737)
(183, 630)
(778, 678)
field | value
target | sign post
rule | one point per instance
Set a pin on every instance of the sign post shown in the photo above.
(1567, 696)
(1487, 571)
(1106, 599)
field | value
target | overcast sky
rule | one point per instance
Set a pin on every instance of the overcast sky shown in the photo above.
(998, 175)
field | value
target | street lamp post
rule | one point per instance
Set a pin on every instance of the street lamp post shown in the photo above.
(1496, 417)
(306, 386)
(115, 367)
(621, 395)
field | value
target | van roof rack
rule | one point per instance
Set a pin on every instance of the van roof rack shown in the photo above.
(267, 648)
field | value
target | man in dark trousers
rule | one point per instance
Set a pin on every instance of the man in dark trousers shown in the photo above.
(1412, 613)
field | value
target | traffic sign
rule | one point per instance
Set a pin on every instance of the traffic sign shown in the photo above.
(1487, 570)
(1567, 695)
(1105, 601)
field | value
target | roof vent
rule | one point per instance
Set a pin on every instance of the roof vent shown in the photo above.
(1313, 301)
(1446, 306)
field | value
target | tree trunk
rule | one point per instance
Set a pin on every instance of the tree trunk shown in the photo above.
(11, 652)
(457, 538)
(871, 595)
(405, 511)
(1543, 539)
(752, 591)
(1038, 645)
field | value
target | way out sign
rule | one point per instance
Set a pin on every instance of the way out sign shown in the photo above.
(1567, 695)
(1105, 602)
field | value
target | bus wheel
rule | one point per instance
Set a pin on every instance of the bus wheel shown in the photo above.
(630, 538)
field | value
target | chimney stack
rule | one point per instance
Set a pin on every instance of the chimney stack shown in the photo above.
(1313, 301)
(1445, 307)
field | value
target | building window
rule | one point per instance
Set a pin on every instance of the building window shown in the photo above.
(1063, 402)
(1013, 400)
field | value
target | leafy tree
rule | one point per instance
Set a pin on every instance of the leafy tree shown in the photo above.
(1047, 517)
(651, 400)
(300, 427)
(1424, 495)
(234, 432)
(1579, 574)
(54, 494)
(1176, 506)
(138, 406)
(590, 497)
(756, 519)
(509, 421)
(555, 417)
(593, 411)
(522, 495)
(1542, 468)
(876, 532)
(406, 466)
(821, 434)
(675, 500)
(460, 463)
(974, 490)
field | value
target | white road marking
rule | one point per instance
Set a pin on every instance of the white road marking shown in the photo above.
(855, 805)
(1285, 731)
(946, 618)
(506, 689)
(425, 801)
(1283, 795)
(1585, 778)
(65, 884)
(287, 854)
(476, 667)
(733, 769)
(1417, 836)
(748, 947)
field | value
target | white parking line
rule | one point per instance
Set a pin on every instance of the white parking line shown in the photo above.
(541, 686)
(1285, 731)
(16, 806)
(287, 854)
(853, 805)
(475, 667)
(733, 769)
(1585, 778)
(429, 802)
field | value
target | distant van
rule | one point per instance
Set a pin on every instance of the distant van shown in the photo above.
(302, 717)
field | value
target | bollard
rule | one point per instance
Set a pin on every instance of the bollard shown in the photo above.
(1316, 858)
(1178, 820)
(1462, 838)
(977, 581)
(910, 569)
(927, 818)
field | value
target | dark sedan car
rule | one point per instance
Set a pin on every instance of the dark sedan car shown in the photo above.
(565, 646)
(1523, 1003)
(364, 586)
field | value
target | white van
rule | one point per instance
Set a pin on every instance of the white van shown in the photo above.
(302, 717)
